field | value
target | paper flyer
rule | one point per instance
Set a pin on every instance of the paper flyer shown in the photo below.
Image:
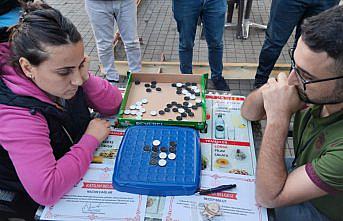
(236, 204)
(108, 149)
(94, 198)
(228, 144)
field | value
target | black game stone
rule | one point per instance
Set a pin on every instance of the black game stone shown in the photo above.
(164, 149)
(153, 161)
(158, 89)
(137, 82)
(161, 112)
(148, 90)
(179, 118)
(172, 149)
(155, 148)
(194, 107)
(146, 148)
(146, 85)
(166, 109)
(154, 155)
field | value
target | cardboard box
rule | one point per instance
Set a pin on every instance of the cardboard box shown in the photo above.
(157, 100)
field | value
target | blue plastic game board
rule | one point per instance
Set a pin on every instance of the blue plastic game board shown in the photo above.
(134, 171)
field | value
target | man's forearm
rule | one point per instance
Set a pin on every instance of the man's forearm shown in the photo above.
(253, 108)
(271, 172)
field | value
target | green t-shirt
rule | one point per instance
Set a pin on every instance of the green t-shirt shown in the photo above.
(318, 143)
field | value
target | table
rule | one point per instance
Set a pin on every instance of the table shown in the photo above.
(223, 112)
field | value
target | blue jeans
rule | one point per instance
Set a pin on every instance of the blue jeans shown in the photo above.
(212, 14)
(299, 212)
(285, 15)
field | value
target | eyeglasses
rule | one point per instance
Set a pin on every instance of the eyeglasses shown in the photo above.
(300, 75)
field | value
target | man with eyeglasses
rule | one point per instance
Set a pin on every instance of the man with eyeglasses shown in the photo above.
(313, 188)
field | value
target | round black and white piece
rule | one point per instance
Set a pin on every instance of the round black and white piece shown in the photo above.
(156, 143)
(146, 148)
(153, 161)
(155, 149)
(171, 156)
(181, 110)
(153, 113)
(162, 162)
(163, 155)
(161, 112)
(179, 84)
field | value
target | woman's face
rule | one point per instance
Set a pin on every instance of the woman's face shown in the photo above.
(61, 74)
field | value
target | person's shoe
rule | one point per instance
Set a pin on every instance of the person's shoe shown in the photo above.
(260, 81)
(220, 84)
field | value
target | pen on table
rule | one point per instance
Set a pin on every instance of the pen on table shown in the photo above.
(216, 189)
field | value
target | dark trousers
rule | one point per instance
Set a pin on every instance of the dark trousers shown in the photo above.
(285, 15)
(212, 13)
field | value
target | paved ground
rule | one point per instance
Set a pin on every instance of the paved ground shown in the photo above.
(157, 27)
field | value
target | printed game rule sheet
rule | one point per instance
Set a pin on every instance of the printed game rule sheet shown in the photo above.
(94, 198)
(235, 204)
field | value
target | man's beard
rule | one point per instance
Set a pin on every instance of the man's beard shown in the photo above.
(335, 98)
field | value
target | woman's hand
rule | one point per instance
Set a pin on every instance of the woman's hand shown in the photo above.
(84, 69)
(98, 128)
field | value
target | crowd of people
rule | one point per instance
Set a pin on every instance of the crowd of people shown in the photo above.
(46, 88)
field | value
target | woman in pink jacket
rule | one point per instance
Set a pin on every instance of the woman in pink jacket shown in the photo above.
(47, 136)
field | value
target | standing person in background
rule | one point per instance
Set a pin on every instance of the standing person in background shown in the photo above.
(103, 14)
(45, 124)
(285, 15)
(212, 14)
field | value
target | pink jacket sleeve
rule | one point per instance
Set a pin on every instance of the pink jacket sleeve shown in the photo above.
(45, 179)
(102, 96)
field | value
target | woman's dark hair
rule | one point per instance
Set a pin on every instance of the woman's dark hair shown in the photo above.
(324, 32)
(39, 26)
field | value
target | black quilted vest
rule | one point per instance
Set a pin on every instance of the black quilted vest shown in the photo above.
(66, 128)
